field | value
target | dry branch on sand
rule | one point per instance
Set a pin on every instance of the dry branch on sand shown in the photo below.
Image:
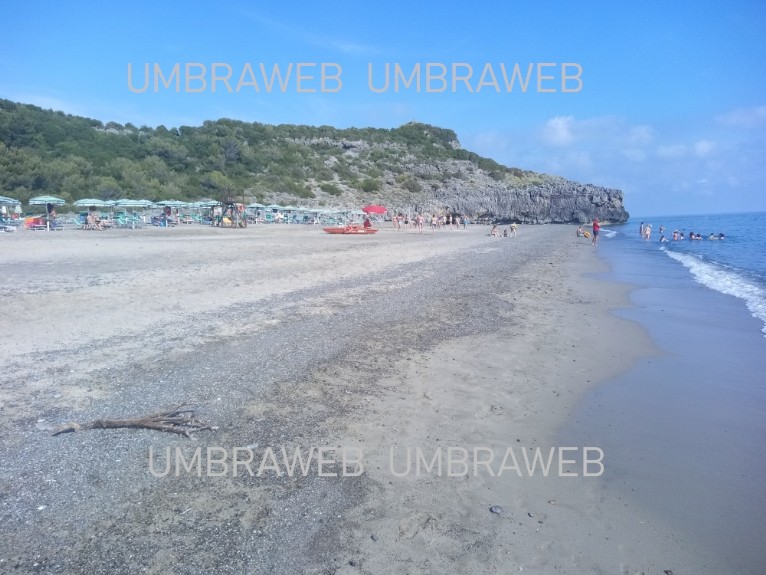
(175, 420)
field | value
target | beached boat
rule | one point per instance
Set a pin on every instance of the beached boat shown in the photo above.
(360, 230)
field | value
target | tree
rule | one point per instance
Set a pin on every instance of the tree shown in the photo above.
(370, 185)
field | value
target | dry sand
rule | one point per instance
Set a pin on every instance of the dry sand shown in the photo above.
(282, 336)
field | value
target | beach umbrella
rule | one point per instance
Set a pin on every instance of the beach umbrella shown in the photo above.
(126, 203)
(255, 205)
(44, 200)
(92, 203)
(373, 209)
(9, 201)
(172, 203)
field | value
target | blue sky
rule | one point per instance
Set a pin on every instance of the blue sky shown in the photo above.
(671, 107)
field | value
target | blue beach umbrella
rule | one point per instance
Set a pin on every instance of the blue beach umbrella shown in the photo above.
(92, 203)
(44, 200)
(172, 203)
(4, 200)
(126, 203)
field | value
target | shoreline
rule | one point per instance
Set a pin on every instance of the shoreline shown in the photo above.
(696, 402)
(545, 380)
(456, 339)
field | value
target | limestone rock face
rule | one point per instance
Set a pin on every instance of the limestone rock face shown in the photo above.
(552, 200)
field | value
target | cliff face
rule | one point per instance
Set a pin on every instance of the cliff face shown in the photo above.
(555, 200)
(530, 198)
(435, 175)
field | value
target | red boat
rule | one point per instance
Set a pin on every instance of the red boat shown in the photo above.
(354, 229)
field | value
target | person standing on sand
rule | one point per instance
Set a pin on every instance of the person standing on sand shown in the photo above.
(513, 230)
(596, 229)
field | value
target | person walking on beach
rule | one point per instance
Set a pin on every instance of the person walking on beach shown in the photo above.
(513, 230)
(596, 229)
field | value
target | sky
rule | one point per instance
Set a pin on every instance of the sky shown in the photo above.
(663, 100)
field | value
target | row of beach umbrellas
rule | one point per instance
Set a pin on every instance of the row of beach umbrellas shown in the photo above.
(145, 204)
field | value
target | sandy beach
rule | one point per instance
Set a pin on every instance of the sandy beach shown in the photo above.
(285, 338)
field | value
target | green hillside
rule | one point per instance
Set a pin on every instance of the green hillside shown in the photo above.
(48, 152)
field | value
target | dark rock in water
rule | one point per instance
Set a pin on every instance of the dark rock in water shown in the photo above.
(496, 509)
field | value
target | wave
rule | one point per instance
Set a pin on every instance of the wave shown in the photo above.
(725, 280)
(608, 233)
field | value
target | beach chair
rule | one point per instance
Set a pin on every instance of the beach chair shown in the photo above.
(121, 221)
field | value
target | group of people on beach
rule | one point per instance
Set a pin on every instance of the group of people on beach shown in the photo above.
(645, 231)
(418, 221)
(508, 233)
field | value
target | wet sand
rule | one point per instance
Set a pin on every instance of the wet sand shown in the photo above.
(282, 336)
(686, 428)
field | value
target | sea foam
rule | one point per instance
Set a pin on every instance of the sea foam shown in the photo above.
(725, 280)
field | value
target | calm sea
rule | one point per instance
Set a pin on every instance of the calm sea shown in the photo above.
(684, 432)
(735, 266)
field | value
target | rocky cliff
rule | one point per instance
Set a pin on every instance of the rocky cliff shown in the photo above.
(549, 199)
(407, 180)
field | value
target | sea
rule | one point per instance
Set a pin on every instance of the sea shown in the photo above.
(684, 430)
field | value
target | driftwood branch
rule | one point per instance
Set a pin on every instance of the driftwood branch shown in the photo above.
(175, 420)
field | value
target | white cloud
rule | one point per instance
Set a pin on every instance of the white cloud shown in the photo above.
(744, 117)
(558, 131)
(664, 167)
